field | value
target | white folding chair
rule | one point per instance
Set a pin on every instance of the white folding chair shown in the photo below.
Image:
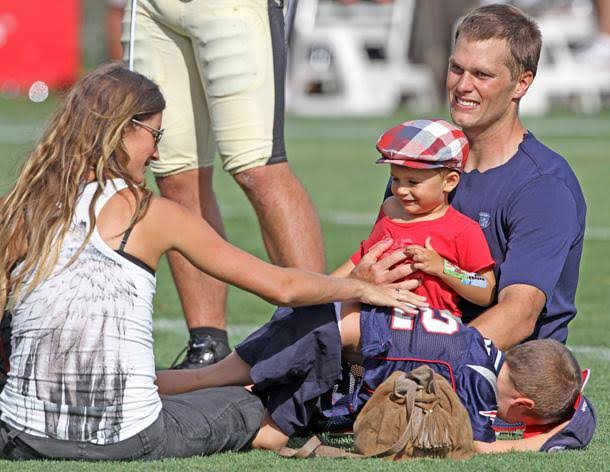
(561, 74)
(332, 71)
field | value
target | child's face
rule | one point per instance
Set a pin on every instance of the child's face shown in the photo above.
(422, 191)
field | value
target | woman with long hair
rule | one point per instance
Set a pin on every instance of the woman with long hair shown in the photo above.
(80, 238)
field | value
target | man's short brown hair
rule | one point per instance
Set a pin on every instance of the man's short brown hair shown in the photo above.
(546, 372)
(506, 22)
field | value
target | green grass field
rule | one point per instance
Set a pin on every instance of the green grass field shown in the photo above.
(334, 158)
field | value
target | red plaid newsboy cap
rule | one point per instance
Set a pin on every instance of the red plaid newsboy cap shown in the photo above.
(424, 144)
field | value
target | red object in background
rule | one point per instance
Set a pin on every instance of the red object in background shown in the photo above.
(39, 40)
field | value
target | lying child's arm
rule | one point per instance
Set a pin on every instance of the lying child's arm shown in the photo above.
(533, 443)
(478, 288)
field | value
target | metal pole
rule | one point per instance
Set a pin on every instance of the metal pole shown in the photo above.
(132, 32)
(291, 9)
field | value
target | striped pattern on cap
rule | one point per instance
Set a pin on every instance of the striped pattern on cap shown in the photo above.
(424, 144)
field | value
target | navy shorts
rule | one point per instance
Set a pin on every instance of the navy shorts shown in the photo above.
(295, 359)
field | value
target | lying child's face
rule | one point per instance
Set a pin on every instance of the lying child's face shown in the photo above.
(422, 191)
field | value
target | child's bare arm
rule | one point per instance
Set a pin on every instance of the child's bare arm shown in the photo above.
(479, 290)
(482, 293)
(533, 443)
(344, 269)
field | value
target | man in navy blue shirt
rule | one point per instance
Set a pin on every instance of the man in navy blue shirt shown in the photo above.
(525, 196)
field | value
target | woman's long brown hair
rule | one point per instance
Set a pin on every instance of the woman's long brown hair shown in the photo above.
(84, 134)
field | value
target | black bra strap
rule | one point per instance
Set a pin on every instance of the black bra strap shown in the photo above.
(125, 238)
(136, 261)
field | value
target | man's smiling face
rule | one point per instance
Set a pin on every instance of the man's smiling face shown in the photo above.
(479, 83)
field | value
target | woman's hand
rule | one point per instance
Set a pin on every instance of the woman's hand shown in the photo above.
(383, 274)
(371, 269)
(397, 295)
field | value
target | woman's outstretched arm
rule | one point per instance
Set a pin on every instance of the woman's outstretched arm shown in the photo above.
(175, 228)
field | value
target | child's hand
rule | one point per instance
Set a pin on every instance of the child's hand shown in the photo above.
(426, 258)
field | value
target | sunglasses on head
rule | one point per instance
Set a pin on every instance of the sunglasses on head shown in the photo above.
(157, 134)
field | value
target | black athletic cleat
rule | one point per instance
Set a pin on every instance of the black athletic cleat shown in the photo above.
(201, 350)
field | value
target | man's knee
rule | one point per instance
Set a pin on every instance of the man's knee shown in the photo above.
(187, 187)
(265, 177)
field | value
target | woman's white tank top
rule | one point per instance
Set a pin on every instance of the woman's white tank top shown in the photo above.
(82, 364)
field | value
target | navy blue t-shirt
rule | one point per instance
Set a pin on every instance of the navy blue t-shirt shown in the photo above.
(532, 212)
(393, 341)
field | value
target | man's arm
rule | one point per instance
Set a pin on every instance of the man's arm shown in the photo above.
(543, 224)
(513, 318)
(533, 443)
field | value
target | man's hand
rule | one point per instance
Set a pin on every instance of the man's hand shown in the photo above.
(382, 272)
(426, 258)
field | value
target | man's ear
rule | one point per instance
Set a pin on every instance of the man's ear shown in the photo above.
(450, 181)
(524, 81)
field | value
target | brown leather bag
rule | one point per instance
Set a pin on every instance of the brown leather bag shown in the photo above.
(410, 415)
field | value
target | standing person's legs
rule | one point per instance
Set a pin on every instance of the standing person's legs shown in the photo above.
(245, 90)
(203, 298)
(114, 15)
(184, 170)
(432, 35)
(603, 13)
(230, 63)
(289, 223)
(602, 42)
